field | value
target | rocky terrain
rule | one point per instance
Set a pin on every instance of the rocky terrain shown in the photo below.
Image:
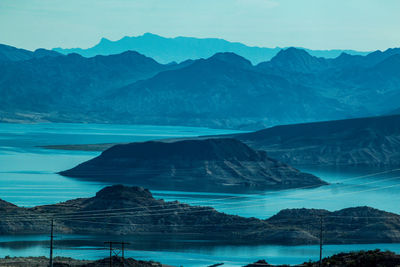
(69, 262)
(371, 258)
(200, 165)
(373, 141)
(121, 210)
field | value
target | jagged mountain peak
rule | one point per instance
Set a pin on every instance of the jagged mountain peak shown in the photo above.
(297, 60)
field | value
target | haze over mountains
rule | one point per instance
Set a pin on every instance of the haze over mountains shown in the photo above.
(10, 53)
(224, 90)
(166, 50)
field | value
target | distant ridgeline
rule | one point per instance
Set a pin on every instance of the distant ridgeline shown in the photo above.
(122, 210)
(167, 50)
(224, 90)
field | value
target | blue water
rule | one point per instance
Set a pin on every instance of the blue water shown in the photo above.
(28, 178)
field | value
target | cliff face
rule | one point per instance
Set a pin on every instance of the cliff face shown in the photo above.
(371, 141)
(122, 210)
(199, 165)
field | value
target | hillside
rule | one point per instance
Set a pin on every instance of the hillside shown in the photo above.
(122, 210)
(68, 85)
(179, 49)
(371, 141)
(199, 165)
(226, 91)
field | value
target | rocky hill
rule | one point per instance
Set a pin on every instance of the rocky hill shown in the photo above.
(121, 210)
(371, 258)
(371, 141)
(199, 165)
(69, 262)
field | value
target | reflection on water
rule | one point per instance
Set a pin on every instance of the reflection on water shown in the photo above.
(28, 178)
(348, 188)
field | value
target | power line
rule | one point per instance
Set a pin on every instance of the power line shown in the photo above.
(227, 203)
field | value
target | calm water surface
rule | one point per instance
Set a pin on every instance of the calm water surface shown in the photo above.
(28, 178)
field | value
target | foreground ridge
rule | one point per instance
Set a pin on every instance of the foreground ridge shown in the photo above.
(123, 210)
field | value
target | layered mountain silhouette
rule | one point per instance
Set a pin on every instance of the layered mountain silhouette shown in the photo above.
(365, 142)
(179, 49)
(10, 53)
(66, 88)
(224, 90)
(197, 165)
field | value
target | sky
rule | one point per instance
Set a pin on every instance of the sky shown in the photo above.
(316, 24)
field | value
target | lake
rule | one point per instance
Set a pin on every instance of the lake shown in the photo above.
(28, 178)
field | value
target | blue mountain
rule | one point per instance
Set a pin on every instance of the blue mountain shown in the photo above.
(178, 49)
(10, 53)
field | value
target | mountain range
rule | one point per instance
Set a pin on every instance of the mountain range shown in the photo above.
(218, 165)
(224, 90)
(166, 50)
(10, 53)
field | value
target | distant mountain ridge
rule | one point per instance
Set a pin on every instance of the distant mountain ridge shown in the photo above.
(10, 53)
(223, 91)
(69, 84)
(179, 49)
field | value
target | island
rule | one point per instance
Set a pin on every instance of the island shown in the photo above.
(217, 165)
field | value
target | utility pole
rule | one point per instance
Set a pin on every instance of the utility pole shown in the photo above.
(123, 253)
(117, 251)
(110, 254)
(51, 243)
(320, 241)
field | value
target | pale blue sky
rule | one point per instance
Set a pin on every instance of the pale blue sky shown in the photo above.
(315, 24)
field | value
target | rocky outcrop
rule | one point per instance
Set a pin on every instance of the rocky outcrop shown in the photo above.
(122, 210)
(199, 165)
(69, 262)
(371, 258)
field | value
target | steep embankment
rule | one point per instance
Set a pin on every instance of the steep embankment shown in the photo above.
(371, 141)
(200, 165)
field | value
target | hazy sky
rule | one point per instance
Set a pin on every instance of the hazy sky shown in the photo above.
(315, 24)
